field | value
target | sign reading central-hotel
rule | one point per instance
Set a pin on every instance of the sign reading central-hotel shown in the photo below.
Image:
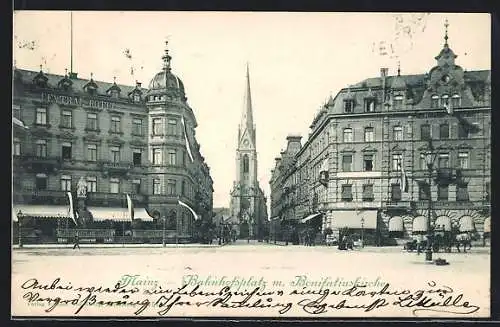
(76, 101)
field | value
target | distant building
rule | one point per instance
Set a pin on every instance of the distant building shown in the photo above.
(248, 203)
(117, 140)
(350, 172)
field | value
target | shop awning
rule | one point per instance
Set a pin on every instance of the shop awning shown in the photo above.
(443, 220)
(466, 224)
(396, 224)
(109, 213)
(420, 224)
(355, 219)
(142, 214)
(306, 219)
(487, 225)
(40, 211)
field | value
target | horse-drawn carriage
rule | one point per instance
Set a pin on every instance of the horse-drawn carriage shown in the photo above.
(443, 241)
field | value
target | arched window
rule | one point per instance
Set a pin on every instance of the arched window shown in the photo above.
(434, 101)
(455, 100)
(245, 163)
(398, 101)
(172, 220)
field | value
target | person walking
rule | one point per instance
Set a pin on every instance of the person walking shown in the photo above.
(77, 241)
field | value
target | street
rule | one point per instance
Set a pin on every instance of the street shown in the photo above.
(297, 266)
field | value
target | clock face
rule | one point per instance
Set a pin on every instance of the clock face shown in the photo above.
(446, 78)
(245, 142)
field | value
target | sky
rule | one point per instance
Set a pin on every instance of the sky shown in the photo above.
(296, 61)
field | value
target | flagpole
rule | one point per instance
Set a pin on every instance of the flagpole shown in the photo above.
(71, 43)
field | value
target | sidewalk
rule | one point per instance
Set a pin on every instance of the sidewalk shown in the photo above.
(98, 246)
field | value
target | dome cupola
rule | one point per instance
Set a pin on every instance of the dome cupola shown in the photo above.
(165, 81)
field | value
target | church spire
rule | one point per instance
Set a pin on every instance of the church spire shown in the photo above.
(247, 118)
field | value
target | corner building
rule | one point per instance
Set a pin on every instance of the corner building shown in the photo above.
(119, 140)
(350, 171)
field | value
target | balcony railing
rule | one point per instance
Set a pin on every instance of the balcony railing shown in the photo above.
(40, 163)
(34, 196)
(114, 199)
(121, 166)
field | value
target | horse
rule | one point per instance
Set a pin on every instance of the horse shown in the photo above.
(463, 239)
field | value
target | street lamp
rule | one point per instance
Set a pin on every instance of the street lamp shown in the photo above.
(430, 157)
(362, 232)
(163, 238)
(19, 224)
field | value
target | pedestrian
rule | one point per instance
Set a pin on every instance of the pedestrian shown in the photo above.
(77, 241)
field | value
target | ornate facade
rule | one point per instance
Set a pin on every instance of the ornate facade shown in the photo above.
(364, 164)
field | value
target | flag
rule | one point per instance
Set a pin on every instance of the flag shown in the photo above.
(188, 147)
(71, 208)
(18, 122)
(130, 206)
(196, 217)
(404, 179)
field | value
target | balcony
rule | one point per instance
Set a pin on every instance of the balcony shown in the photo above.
(115, 167)
(397, 205)
(33, 196)
(38, 164)
(106, 199)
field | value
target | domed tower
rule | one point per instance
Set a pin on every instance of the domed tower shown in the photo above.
(177, 170)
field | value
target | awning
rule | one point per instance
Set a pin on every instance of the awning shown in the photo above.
(396, 224)
(274, 218)
(466, 224)
(142, 214)
(306, 219)
(109, 213)
(420, 224)
(40, 211)
(443, 220)
(355, 219)
(487, 225)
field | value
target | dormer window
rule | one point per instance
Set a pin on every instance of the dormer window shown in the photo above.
(435, 101)
(369, 104)
(348, 106)
(40, 80)
(137, 98)
(398, 102)
(455, 100)
(91, 86)
(114, 90)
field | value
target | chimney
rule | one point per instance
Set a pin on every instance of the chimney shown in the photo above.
(138, 84)
(383, 72)
(383, 75)
(73, 75)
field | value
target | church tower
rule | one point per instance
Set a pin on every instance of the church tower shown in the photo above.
(248, 207)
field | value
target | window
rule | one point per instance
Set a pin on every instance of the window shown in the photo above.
(157, 156)
(444, 160)
(137, 157)
(67, 119)
(172, 127)
(368, 192)
(347, 135)
(425, 132)
(66, 183)
(92, 152)
(114, 185)
(115, 154)
(245, 163)
(92, 121)
(463, 160)
(41, 116)
(347, 162)
(435, 101)
(348, 106)
(455, 101)
(423, 191)
(183, 187)
(462, 193)
(395, 192)
(172, 157)
(16, 148)
(91, 184)
(137, 98)
(423, 161)
(398, 133)
(463, 131)
(66, 151)
(396, 161)
(347, 192)
(137, 126)
(369, 105)
(183, 158)
(41, 148)
(445, 100)
(16, 111)
(157, 126)
(171, 185)
(487, 192)
(398, 101)
(369, 134)
(156, 186)
(41, 181)
(136, 186)
(443, 192)
(368, 162)
(444, 131)
(115, 124)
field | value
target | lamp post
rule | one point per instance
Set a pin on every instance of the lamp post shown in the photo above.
(362, 232)
(163, 238)
(430, 157)
(19, 225)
